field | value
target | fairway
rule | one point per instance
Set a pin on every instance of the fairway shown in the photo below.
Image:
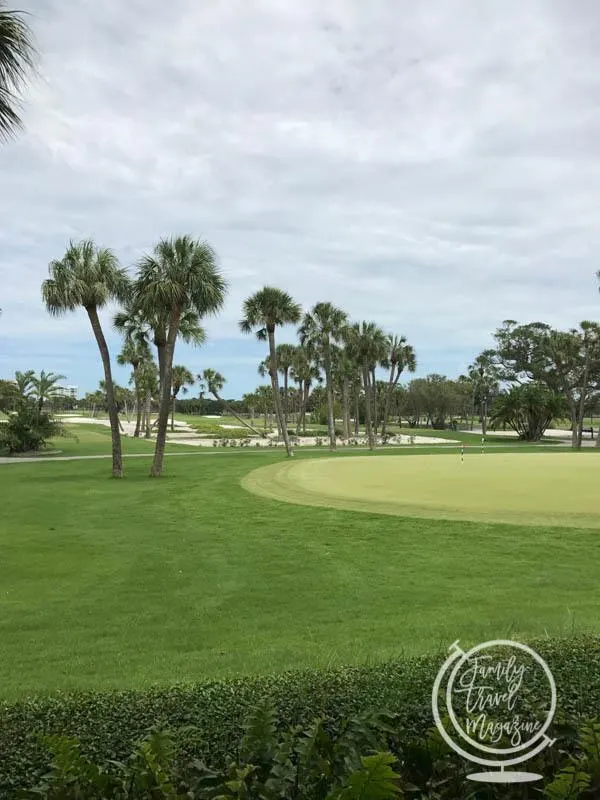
(138, 582)
(528, 489)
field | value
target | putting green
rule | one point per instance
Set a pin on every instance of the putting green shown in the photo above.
(523, 488)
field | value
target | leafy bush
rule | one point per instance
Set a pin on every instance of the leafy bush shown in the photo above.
(268, 764)
(28, 429)
(108, 723)
(527, 409)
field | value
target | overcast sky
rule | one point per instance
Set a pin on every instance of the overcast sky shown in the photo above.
(431, 166)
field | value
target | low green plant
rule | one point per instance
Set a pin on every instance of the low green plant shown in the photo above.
(28, 428)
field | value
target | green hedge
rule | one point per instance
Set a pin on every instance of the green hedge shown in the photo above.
(107, 723)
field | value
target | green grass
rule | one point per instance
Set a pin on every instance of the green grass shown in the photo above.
(129, 583)
(505, 487)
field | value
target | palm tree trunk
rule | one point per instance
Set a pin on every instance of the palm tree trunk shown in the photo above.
(286, 409)
(172, 413)
(165, 395)
(329, 385)
(147, 414)
(356, 410)
(276, 395)
(138, 419)
(368, 425)
(388, 398)
(574, 425)
(484, 417)
(346, 407)
(373, 383)
(117, 457)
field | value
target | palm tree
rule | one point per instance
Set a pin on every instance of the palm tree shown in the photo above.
(181, 378)
(304, 372)
(89, 277)
(148, 387)
(399, 356)
(45, 387)
(214, 382)
(180, 279)
(285, 359)
(25, 382)
(263, 312)
(483, 374)
(17, 56)
(346, 372)
(366, 342)
(320, 328)
(134, 352)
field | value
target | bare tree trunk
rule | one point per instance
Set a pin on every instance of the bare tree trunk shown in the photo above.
(165, 395)
(276, 394)
(117, 457)
(232, 413)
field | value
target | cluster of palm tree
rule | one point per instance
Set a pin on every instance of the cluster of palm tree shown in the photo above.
(346, 354)
(172, 290)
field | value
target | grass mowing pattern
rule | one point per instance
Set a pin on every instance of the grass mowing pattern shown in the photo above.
(125, 584)
(524, 488)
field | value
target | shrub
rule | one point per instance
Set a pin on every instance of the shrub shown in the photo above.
(28, 428)
(107, 724)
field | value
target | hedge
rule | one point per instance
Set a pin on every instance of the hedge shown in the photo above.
(107, 723)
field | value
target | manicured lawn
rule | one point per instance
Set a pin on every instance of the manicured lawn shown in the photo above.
(129, 583)
(525, 488)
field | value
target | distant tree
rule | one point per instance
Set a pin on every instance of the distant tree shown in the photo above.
(304, 371)
(181, 378)
(263, 312)
(399, 356)
(45, 387)
(24, 382)
(484, 376)
(321, 328)
(27, 428)
(528, 409)
(17, 56)
(214, 382)
(366, 342)
(9, 394)
(89, 277)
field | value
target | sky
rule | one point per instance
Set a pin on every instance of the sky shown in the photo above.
(433, 167)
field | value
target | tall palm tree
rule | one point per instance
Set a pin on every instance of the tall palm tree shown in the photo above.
(148, 387)
(366, 343)
(180, 278)
(304, 371)
(483, 374)
(45, 387)
(89, 277)
(285, 359)
(214, 383)
(17, 57)
(181, 378)
(134, 352)
(320, 329)
(263, 312)
(346, 373)
(25, 382)
(399, 356)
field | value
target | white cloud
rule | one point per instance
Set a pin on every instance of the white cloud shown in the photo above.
(431, 166)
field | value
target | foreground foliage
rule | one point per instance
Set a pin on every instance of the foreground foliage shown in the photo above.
(206, 726)
(28, 428)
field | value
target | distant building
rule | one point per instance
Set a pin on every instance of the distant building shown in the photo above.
(67, 391)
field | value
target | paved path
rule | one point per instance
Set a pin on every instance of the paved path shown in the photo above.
(253, 451)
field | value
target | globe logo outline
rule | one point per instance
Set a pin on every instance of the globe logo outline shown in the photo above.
(534, 745)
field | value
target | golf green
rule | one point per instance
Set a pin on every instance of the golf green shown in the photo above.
(524, 488)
